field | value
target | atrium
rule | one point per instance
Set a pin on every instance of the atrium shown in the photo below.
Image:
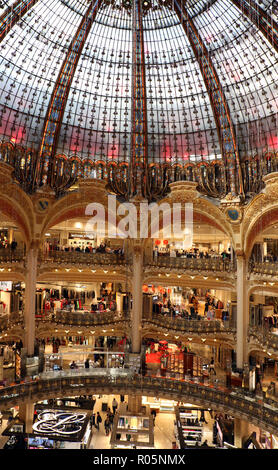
(138, 224)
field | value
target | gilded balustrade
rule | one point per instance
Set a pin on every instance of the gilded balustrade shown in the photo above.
(11, 256)
(192, 264)
(237, 402)
(88, 319)
(263, 267)
(81, 258)
(265, 337)
(189, 326)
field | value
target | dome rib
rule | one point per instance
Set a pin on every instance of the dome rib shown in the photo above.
(56, 107)
(218, 102)
(13, 14)
(261, 19)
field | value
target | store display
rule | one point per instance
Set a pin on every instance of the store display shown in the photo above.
(189, 429)
(131, 431)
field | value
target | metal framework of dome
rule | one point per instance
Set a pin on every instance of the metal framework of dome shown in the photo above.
(140, 93)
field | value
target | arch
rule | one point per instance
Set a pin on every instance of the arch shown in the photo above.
(200, 216)
(11, 209)
(261, 222)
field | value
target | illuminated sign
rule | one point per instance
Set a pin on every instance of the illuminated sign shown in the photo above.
(6, 285)
(59, 423)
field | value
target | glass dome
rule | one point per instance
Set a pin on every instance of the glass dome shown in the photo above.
(96, 118)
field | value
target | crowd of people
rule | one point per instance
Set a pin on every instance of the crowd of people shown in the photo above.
(5, 245)
(195, 253)
(89, 248)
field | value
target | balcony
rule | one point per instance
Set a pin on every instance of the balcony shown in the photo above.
(264, 338)
(263, 268)
(88, 319)
(9, 256)
(257, 409)
(81, 258)
(216, 264)
(181, 325)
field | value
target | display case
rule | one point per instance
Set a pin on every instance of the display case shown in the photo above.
(184, 363)
(161, 404)
(130, 430)
(188, 428)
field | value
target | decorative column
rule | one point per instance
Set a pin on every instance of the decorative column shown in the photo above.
(241, 432)
(1, 368)
(242, 311)
(137, 296)
(30, 298)
(26, 415)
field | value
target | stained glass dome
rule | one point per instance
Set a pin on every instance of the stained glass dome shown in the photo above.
(95, 120)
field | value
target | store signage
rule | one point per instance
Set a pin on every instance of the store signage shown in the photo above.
(81, 235)
(6, 285)
(59, 423)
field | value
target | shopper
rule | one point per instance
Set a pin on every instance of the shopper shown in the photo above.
(153, 413)
(107, 425)
(211, 366)
(99, 420)
(73, 365)
(114, 405)
(93, 420)
(111, 417)
(87, 363)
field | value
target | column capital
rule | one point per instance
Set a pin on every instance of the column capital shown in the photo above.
(241, 254)
(34, 245)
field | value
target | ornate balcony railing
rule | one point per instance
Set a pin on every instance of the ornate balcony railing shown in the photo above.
(80, 258)
(211, 176)
(263, 267)
(11, 256)
(189, 326)
(9, 321)
(265, 338)
(192, 264)
(88, 319)
(238, 403)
